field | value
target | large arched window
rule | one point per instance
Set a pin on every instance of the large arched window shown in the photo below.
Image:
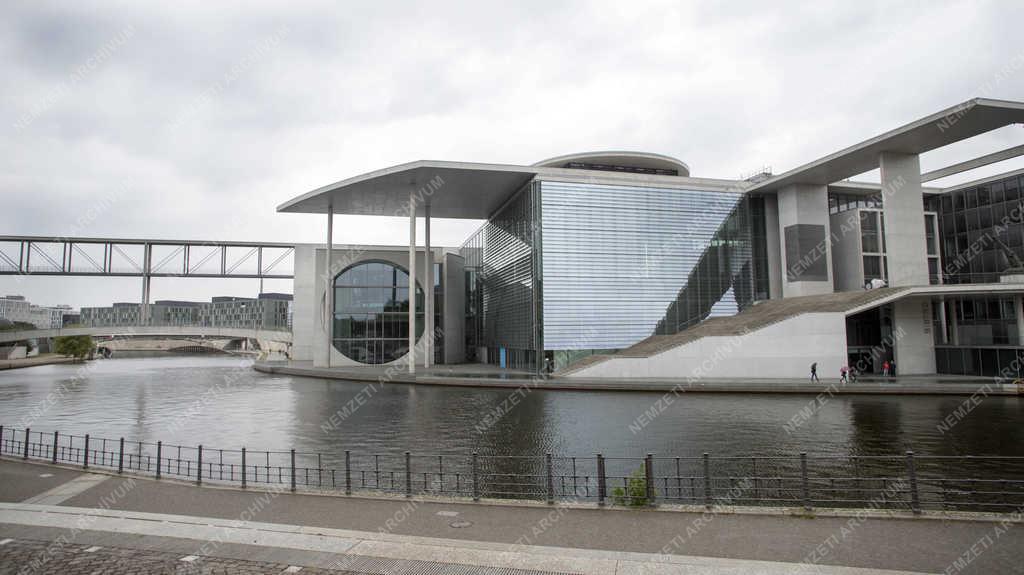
(371, 312)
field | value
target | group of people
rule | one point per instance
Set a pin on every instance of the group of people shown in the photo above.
(847, 375)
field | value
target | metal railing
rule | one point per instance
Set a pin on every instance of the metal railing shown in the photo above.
(907, 482)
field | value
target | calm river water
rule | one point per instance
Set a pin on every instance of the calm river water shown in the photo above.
(220, 402)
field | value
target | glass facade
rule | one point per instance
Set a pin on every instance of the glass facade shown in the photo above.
(574, 268)
(981, 229)
(621, 263)
(500, 262)
(980, 235)
(371, 312)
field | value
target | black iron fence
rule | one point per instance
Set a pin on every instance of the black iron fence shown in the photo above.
(908, 481)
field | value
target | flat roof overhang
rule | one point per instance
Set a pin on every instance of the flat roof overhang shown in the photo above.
(460, 190)
(966, 120)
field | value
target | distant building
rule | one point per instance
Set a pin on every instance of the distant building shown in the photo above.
(16, 308)
(268, 311)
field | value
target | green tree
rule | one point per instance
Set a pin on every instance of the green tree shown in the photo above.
(76, 346)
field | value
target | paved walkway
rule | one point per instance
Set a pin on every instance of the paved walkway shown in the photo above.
(41, 359)
(303, 530)
(490, 376)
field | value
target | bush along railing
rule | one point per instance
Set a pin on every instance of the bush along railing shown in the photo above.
(905, 481)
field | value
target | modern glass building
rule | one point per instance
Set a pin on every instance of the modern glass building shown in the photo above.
(621, 264)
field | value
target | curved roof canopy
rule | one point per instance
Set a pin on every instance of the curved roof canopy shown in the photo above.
(453, 189)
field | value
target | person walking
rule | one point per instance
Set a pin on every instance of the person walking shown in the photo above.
(885, 368)
(842, 374)
(814, 372)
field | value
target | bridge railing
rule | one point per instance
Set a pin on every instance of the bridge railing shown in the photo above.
(891, 482)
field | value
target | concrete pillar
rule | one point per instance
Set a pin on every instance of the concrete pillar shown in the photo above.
(914, 346)
(943, 321)
(147, 262)
(902, 200)
(144, 308)
(412, 281)
(805, 237)
(428, 296)
(329, 266)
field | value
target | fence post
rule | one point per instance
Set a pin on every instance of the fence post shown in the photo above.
(26, 444)
(199, 468)
(348, 473)
(243, 468)
(649, 479)
(408, 475)
(707, 481)
(803, 481)
(1, 439)
(602, 481)
(85, 457)
(293, 470)
(55, 446)
(551, 481)
(476, 482)
(915, 498)
(159, 455)
(120, 457)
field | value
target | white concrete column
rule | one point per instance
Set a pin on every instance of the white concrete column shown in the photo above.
(944, 321)
(902, 200)
(329, 266)
(805, 240)
(914, 347)
(428, 281)
(412, 281)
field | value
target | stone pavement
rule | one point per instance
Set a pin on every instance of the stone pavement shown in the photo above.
(123, 512)
(489, 376)
(21, 556)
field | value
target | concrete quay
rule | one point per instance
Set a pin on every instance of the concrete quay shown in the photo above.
(490, 376)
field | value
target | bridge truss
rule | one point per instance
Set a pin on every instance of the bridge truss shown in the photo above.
(40, 255)
(143, 258)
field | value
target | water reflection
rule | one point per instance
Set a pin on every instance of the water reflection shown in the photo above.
(220, 402)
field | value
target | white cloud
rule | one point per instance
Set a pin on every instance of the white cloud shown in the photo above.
(209, 128)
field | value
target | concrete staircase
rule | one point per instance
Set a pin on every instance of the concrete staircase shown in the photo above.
(749, 320)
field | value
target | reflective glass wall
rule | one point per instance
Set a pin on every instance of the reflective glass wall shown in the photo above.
(501, 278)
(622, 262)
(981, 237)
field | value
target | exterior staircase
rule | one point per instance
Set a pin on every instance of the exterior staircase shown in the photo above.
(751, 319)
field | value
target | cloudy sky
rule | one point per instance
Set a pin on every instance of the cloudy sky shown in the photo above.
(196, 119)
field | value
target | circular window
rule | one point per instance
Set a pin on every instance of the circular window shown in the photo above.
(371, 312)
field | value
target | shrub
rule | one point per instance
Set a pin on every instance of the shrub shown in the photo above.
(635, 493)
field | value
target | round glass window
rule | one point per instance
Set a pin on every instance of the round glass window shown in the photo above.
(371, 312)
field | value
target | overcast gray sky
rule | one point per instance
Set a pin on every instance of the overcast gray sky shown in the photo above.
(199, 118)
